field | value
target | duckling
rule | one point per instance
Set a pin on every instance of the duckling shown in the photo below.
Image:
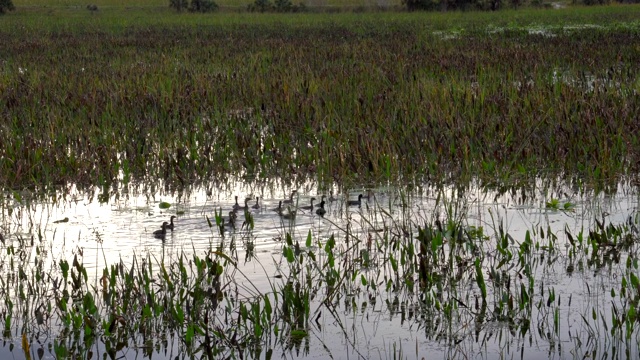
(290, 215)
(310, 207)
(370, 195)
(236, 206)
(290, 200)
(279, 208)
(232, 220)
(256, 205)
(355, 202)
(245, 207)
(321, 211)
(160, 234)
(171, 225)
(321, 200)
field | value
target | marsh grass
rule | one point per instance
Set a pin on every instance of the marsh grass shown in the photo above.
(191, 99)
(230, 4)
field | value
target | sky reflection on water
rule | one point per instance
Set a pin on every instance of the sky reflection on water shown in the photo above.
(107, 233)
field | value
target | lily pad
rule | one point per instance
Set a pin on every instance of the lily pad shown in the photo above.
(164, 205)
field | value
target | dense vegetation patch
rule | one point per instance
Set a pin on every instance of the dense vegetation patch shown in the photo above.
(6, 5)
(374, 97)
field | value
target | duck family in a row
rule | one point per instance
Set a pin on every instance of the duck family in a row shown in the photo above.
(285, 213)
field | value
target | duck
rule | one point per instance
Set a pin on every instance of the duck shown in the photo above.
(321, 200)
(171, 226)
(310, 207)
(245, 207)
(289, 215)
(290, 200)
(279, 208)
(355, 202)
(236, 206)
(257, 204)
(321, 211)
(160, 234)
(232, 220)
(369, 195)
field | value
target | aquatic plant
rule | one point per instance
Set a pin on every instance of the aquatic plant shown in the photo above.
(461, 284)
(436, 108)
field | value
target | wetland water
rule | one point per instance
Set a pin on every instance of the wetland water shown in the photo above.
(415, 272)
(556, 266)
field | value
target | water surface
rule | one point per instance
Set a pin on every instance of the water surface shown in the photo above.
(373, 320)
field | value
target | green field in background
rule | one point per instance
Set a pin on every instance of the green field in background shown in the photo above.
(221, 3)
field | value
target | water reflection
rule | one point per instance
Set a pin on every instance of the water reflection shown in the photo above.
(372, 320)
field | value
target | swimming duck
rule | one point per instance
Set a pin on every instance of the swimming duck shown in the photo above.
(171, 225)
(321, 200)
(310, 207)
(279, 208)
(290, 200)
(245, 207)
(355, 202)
(232, 220)
(160, 234)
(289, 215)
(236, 206)
(256, 205)
(321, 211)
